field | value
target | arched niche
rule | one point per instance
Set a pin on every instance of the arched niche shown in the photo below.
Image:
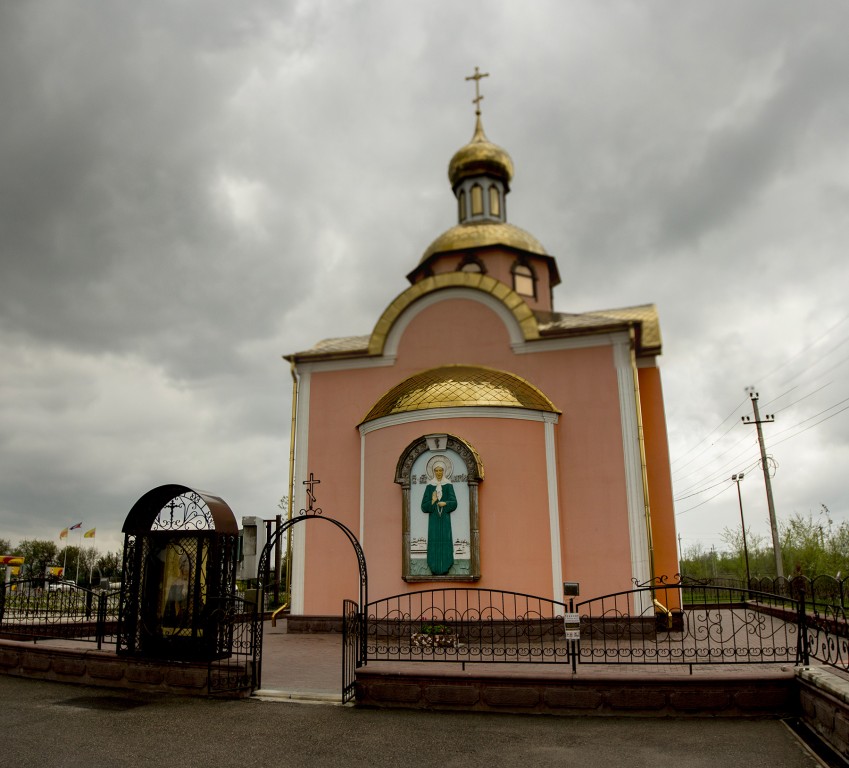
(440, 514)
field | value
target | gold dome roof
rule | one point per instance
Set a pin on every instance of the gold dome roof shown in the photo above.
(480, 156)
(476, 234)
(456, 386)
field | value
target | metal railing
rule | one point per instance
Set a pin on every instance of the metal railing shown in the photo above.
(690, 623)
(657, 623)
(233, 619)
(466, 625)
(39, 609)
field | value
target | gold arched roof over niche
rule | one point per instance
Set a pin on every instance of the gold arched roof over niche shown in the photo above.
(458, 386)
(513, 301)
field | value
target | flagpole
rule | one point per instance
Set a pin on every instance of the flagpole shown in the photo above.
(91, 567)
(79, 549)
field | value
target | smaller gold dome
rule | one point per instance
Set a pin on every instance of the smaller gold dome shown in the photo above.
(480, 156)
(477, 234)
(456, 386)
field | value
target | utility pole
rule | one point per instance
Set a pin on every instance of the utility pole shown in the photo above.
(737, 479)
(773, 524)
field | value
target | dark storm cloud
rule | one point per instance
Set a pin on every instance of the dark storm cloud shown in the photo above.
(119, 133)
(190, 190)
(736, 162)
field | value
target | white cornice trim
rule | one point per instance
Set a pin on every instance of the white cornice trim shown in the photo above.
(345, 364)
(570, 342)
(464, 412)
(647, 362)
(517, 341)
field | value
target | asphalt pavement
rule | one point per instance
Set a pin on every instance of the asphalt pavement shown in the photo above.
(66, 726)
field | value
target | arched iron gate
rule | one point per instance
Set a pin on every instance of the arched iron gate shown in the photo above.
(353, 634)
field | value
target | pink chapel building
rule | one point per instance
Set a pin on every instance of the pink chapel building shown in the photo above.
(477, 437)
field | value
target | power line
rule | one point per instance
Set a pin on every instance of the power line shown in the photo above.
(790, 437)
(804, 397)
(722, 469)
(719, 473)
(734, 424)
(702, 503)
(775, 370)
(805, 349)
(737, 408)
(799, 424)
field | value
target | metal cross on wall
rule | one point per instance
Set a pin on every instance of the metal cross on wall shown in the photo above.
(311, 483)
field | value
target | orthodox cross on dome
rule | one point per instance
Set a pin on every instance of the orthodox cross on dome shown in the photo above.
(477, 77)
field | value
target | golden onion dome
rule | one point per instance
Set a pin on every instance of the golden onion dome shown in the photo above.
(480, 157)
(457, 386)
(477, 234)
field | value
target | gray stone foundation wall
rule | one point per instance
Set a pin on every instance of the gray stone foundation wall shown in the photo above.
(743, 695)
(824, 706)
(103, 669)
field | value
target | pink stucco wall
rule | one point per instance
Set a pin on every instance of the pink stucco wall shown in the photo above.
(514, 521)
(514, 509)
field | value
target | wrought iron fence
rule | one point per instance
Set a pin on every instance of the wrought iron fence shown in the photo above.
(35, 609)
(352, 648)
(466, 625)
(691, 623)
(657, 623)
(821, 608)
(234, 621)
(823, 590)
(39, 609)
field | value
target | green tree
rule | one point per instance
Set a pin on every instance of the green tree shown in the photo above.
(735, 553)
(812, 546)
(110, 564)
(38, 556)
(79, 562)
(6, 547)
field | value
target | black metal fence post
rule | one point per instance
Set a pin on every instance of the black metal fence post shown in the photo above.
(572, 649)
(804, 651)
(362, 623)
(100, 626)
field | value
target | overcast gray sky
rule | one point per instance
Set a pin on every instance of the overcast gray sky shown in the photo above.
(189, 190)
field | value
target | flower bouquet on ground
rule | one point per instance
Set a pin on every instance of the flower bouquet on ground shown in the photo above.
(434, 636)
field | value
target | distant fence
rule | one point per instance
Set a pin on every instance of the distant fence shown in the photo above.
(39, 609)
(822, 611)
(823, 589)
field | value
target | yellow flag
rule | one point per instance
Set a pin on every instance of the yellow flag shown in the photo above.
(63, 534)
(89, 534)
